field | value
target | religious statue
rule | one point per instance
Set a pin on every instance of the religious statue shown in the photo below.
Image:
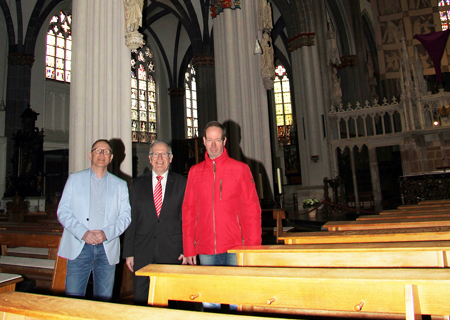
(133, 14)
(133, 20)
(265, 16)
(267, 65)
(337, 90)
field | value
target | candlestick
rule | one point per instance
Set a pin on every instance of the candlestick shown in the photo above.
(280, 191)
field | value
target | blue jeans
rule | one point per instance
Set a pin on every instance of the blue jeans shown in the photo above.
(91, 259)
(221, 259)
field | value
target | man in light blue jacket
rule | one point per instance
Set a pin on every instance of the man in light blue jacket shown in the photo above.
(94, 211)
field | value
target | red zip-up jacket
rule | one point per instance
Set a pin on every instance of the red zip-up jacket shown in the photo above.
(221, 207)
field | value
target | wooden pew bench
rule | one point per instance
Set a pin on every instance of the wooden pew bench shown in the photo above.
(49, 271)
(428, 254)
(355, 291)
(368, 236)
(25, 306)
(440, 201)
(387, 224)
(8, 281)
(404, 215)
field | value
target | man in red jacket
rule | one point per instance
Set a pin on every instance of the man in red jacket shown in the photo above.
(221, 207)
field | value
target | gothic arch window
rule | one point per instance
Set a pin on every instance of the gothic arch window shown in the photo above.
(143, 96)
(444, 15)
(191, 102)
(59, 48)
(283, 106)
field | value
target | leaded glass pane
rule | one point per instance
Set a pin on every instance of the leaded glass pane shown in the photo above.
(143, 116)
(134, 115)
(287, 109)
(144, 137)
(133, 83)
(277, 86)
(59, 47)
(283, 107)
(191, 102)
(280, 120)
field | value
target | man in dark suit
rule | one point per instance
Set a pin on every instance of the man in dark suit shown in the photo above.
(154, 235)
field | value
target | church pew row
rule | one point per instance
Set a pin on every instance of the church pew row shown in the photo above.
(428, 254)
(49, 272)
(8, 281)
(25, 306)
(404, 215)
(406, 292)
(386, 224)
(368, 236)
(439, 201)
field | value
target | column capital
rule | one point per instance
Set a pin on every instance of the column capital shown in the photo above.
(217, 6)
(302, 39)
(203, 61)
(176, 91)
(20, 59)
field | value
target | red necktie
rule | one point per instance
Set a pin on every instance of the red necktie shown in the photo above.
(157, 195)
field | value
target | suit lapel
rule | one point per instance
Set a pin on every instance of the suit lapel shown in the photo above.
(168, 191)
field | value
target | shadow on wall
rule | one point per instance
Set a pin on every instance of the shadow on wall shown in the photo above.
(119, 155)
(257, 168)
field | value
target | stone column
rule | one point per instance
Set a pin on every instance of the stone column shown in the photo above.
(375, 177)
(241, 98)
(206, 97)
(354, 177)
(100, 87)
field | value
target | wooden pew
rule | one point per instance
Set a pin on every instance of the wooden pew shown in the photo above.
(386, 224)
(390, 291)
(49, 273)
(368, 236)
(404, 215)
(25, 306)
(428, 254)
(440, 201)
(8, 281)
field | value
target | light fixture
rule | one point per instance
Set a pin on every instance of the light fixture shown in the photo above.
(258, 50)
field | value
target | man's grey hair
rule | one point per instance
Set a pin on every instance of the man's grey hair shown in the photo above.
(160, 141)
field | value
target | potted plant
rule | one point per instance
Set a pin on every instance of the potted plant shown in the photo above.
(310, 203)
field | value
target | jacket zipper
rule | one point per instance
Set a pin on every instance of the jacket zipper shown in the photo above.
(214, 214)
(240, 228)
(220, 189)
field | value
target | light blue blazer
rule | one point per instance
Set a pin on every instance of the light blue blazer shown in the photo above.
(73, 214)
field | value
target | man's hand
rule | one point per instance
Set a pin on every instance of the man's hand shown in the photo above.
(191, 260)
(183, 258)
(100, 236)
(90, 238)
(130, 263)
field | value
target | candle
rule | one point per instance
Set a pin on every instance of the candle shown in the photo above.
(280, 191)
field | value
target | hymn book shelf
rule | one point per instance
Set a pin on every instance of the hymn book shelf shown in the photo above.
(409, 292)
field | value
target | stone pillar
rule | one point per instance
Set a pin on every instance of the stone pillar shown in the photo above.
(375, 177)
(206, 97)
(177, 116)
(241, 98)
(100, 87)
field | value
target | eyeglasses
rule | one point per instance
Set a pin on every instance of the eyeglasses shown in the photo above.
(162, 154)
(106, 152)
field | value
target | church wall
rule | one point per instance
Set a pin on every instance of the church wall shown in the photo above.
(3, 64)
(49, 98)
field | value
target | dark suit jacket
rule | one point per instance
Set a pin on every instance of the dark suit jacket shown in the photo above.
(150, 239)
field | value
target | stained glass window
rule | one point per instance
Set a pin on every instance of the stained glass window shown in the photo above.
(191, 102)
(444, 15)
(283, 107)
(59, 48)
(143, 96)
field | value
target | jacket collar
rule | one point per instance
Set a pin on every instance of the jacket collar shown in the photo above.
(220, 159)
